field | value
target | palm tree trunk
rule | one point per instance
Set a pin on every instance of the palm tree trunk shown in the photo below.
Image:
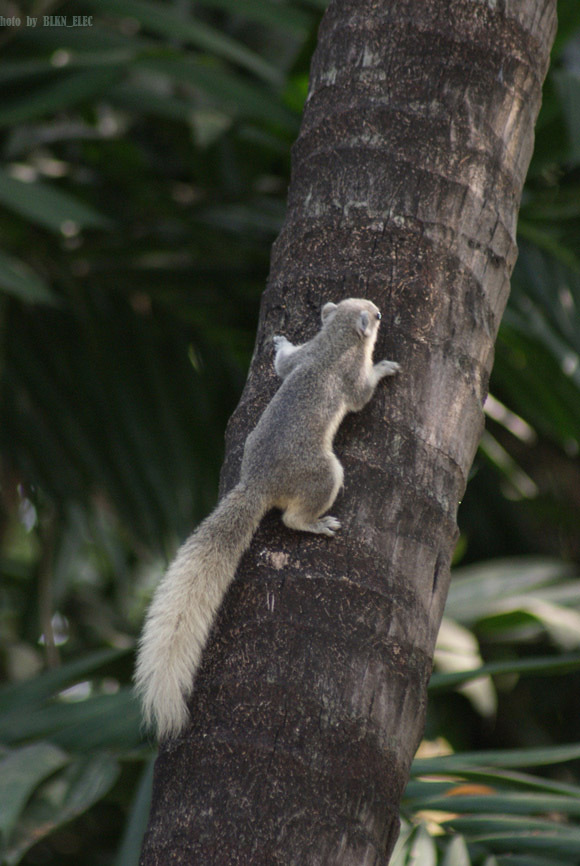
(406, 181)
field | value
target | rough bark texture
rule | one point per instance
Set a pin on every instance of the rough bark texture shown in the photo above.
(406, 181)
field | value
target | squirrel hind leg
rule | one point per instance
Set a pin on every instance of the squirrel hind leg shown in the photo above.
(304, 512)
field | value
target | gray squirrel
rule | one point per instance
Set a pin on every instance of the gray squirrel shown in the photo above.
(288, 463)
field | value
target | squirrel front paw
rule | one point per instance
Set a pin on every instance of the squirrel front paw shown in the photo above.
(387, 368)
(278, 342)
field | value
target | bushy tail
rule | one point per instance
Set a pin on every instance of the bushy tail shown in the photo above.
(184, 607)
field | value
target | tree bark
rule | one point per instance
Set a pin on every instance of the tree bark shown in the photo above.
(406, 181)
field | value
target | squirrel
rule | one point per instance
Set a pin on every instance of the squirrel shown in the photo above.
(288, 463)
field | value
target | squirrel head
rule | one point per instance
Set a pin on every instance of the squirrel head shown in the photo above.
(353, 316)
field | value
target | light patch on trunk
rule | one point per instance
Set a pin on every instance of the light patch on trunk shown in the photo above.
(277, 559)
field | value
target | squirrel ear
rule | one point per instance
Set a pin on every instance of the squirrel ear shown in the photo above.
(328, 312)
(362, 326)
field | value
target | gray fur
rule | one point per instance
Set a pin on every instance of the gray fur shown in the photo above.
(288, 463)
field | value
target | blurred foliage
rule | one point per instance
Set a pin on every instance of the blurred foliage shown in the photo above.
(144, 162)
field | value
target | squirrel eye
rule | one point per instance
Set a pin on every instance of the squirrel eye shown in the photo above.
(378, 315)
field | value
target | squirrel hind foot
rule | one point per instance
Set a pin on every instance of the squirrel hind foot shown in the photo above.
(323, 526)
